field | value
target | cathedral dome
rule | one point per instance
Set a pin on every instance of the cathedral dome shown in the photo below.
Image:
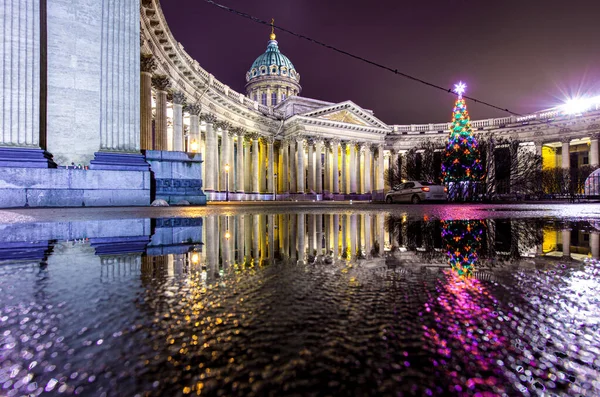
(272, 78)
(272, 63)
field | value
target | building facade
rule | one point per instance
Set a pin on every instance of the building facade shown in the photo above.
(93, 108)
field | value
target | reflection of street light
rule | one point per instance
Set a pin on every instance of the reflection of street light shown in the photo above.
(227, 234)
(194, 146)
(275, 187)
(226, 182)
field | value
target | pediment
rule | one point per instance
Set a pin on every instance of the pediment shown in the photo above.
(348, 113)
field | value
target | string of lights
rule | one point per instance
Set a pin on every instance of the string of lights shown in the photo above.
(373, 63)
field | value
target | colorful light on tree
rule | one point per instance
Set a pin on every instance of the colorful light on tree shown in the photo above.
(463, 241)
(462, 164)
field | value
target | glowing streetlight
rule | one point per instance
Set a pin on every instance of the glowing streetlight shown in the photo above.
(227, 235)
(195, 258)
(194, 146)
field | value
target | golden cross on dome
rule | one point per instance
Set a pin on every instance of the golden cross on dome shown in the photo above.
(272, 36)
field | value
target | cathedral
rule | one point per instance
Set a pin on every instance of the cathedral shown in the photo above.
(111, 110)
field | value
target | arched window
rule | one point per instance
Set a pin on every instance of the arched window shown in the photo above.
(273, 98)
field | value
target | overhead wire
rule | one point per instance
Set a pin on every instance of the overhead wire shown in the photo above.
(338, 50)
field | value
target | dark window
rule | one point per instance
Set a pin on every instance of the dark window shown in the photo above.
(409, 185)
(273, 99)
(263, 98)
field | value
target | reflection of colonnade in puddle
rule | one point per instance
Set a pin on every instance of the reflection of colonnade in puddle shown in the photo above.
(263, 238)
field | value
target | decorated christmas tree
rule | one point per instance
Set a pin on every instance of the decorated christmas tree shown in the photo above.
(462, 167)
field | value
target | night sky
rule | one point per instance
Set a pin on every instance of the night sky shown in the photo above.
(525, 55)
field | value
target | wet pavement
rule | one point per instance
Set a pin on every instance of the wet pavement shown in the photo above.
(339, 300)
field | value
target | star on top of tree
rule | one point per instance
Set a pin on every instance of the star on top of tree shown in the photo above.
(460, 88)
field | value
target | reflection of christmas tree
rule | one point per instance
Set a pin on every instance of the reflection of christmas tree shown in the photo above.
(461, 165)
(463, 240)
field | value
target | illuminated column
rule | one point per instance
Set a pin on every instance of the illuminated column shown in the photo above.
(247, 164)
(271, 237)
(327, 168)
(381, 231)
(566, 242)
(367, 168)
(293, 171)
(255, 164)
(262, 165)
(223, 154)
(335, 150)
(147, 67)
(239, 166)
(380, 170)
(161, 84)
(566, 157)
(344, 184)
(300, 171)
(311, 166)
(194, 111)
(284, 229)
(263, 236)
(293, 231)
(284, 181)
(211, 149)
(595, 244)
(352, 171)
(270, 167)
(594, 151)
(178, 102)
(248, 221)
(225, 236)
(318, 167)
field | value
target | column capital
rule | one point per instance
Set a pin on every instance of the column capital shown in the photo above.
(179, 98)
(254, 136)
(224, 125)
(208, 118)
(147, 63)
(334, 141)
(161, 83)
(595, 136)
(299, 138)
(239, 131)
(194, 109)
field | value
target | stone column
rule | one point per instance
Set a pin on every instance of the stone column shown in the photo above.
(300, 166)
(211, 151)
(344, 184)
(247, 164)
(255, 164)
(194, 111)
(239, 167)
(327, 169)
(270, 168)
(255, 237)
(178, 103)
(293, 169)
(224, 157)
(301, 231)
(594, 151)
(161, 85)
(352, 171)
(367, 234)
(311, 166)
(239, 237)
(319, 233)
(335, 152)
(566, 158)
(380, 169)
(336, 235)
(318, 167)
(367, 168)
(284, 171)
(147, 67)
(262, 166)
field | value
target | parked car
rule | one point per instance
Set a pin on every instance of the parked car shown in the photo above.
(417, 191)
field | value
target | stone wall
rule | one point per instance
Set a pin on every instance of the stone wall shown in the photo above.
(59, 187)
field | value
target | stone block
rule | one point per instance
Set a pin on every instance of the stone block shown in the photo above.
(12, 198)
(187, 170)
(55, 197)
(161, 169)
(109, 180)
(35, 178)
(106, 197)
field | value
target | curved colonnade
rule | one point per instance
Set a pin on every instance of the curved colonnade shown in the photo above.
(323, 151)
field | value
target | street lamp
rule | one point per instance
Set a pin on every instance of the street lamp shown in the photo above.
(275, 187)
(194, 146)
(226, 182)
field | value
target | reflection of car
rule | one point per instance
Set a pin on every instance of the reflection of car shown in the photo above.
(416, 191)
